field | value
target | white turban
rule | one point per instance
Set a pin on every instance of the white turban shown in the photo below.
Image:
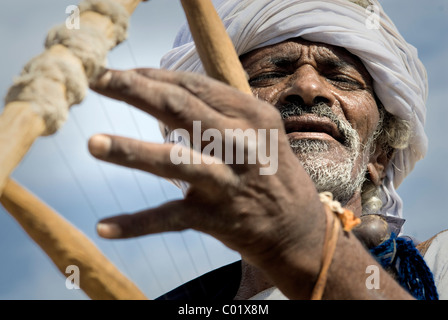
(400, 80)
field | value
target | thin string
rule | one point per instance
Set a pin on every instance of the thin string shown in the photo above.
(117, 201)
(113, 194)
(85, 196)
(140, 135)
(331, 238)
(109, 120)
(137, 182)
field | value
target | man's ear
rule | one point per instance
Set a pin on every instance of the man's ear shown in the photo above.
(377, 165)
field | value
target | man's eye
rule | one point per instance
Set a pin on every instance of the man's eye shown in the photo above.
(345, 82)
(265, 79)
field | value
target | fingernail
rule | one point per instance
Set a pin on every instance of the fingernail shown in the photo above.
(108, 230)
(99, 145)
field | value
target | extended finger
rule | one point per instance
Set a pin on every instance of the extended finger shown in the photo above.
(217, 95)
(166, 160)
(172, 216)
(170, 103)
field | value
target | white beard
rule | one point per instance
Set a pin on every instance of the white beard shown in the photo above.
(342, 178)
(328, 175)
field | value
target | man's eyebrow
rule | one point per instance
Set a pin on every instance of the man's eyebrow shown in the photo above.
(282, 61)
(327, 62)
(332, 63)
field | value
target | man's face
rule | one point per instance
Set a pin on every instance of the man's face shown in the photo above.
(326, 98)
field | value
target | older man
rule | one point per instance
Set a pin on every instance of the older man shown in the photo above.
(343, 96)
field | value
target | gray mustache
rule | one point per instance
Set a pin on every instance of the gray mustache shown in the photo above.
(321, 110)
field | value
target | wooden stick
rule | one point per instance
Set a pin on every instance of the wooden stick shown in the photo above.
(20, 126)
(66, 246)
(213, 44)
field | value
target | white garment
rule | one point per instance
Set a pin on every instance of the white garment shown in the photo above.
(400, 80)
(436, 258)
(270, 294)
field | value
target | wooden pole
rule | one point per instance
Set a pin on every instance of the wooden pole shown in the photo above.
(20, 126)
(213, 44)
(67, 246)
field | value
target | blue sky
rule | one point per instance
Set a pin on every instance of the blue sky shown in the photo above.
(60, 170)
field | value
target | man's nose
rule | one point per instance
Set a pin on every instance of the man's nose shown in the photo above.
(308, 88)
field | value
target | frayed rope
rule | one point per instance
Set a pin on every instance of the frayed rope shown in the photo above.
(412, 273)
